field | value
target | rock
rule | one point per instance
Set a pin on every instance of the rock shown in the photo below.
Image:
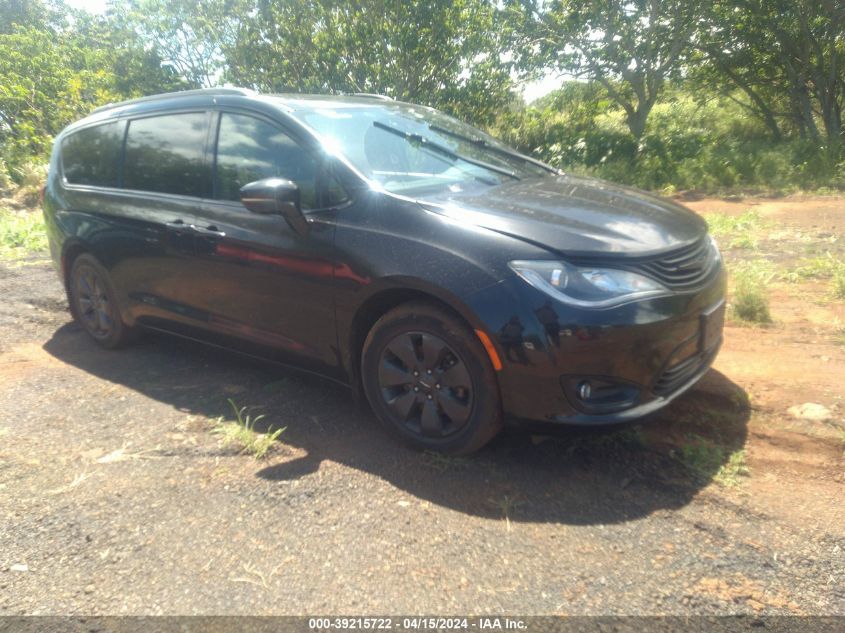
(89, 589)
(19, 567)
(810, 411)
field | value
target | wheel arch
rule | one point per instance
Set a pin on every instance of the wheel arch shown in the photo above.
(70, 251)
(379, 304)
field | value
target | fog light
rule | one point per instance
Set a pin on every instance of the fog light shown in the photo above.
(584, 390)
(599, 394)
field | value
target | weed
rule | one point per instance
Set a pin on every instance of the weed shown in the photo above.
(838, 285)
(730, 472)
(603, 443)
(443, 462)
(838, 332)
(701, 457)
(506, 505)
(30, 177)
(750, 299)
(736, 231)
(242, 432)
(706, 460)
(822, 267)
(21, 233)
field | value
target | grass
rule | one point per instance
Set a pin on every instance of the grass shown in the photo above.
(838, 284)
(731, 471)
(241, 432)
(706, 460)
(736, 231)
(825, 266)
(21, 233)
(506, 505)
(601, 443)
(838, 332)
(820, 267)
(442, 462)
(750, 291)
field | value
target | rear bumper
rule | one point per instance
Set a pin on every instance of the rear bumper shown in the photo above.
(654, 350)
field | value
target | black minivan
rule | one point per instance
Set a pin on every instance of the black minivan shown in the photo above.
(457, 283)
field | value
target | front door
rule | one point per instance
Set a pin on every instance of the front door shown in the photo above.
(257, 278)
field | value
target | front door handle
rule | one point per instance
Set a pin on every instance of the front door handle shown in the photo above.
(210, 231)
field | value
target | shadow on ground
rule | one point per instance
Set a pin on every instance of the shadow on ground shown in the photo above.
(574, 478)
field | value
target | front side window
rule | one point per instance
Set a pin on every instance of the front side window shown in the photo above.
(166, 154)
(91, 156)
(249, 149)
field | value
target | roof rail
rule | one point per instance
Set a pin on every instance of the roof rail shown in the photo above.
(370, 95)
(174, 95)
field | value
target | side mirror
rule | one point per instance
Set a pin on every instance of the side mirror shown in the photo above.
(275, 196)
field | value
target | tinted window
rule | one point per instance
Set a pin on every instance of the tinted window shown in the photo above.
(249, 149)
(92, 156)
(165, 154)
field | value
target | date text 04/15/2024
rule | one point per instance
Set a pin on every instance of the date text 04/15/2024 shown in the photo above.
(417, 623)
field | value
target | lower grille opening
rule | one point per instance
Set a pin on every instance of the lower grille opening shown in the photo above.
(679, 374)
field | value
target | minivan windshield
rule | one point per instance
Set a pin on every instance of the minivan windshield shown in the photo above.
(414, 150)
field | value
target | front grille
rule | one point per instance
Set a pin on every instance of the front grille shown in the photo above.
(679, 374)
(683, 269)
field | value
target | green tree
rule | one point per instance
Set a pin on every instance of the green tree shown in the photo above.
(182, 34)
(444, 53)
(786, 57)
(45, 83)
(631, 47)
(136, 63)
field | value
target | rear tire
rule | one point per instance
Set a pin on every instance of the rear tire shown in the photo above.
(93, 303)
(429, 380)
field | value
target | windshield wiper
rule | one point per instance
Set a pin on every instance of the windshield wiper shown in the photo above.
(412, 137)
(480, 142)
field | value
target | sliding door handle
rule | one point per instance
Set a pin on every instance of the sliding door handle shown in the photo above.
(210, 231)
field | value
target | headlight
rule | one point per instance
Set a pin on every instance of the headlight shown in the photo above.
(586, 286)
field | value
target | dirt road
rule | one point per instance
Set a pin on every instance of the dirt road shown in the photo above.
(116, 498)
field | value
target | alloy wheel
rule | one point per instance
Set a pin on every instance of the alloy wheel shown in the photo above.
(425, 384)
(93, 302)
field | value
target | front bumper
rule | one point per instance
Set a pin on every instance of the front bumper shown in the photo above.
(656, 349)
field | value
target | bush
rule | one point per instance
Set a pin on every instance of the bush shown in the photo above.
(30, 177)
(750, 296)
(21, 233)
(711, 147)
(5, 179)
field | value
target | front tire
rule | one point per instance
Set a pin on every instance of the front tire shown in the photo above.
(94, 305)
(430, 381)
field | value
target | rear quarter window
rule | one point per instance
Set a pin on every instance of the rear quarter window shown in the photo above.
(91, 156)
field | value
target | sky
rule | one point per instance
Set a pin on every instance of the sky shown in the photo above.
(530, 90)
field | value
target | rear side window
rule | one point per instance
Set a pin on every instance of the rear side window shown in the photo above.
(166, 154)
(249, 149)
(92, 156)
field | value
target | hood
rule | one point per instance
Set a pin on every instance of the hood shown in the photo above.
(576, 216)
